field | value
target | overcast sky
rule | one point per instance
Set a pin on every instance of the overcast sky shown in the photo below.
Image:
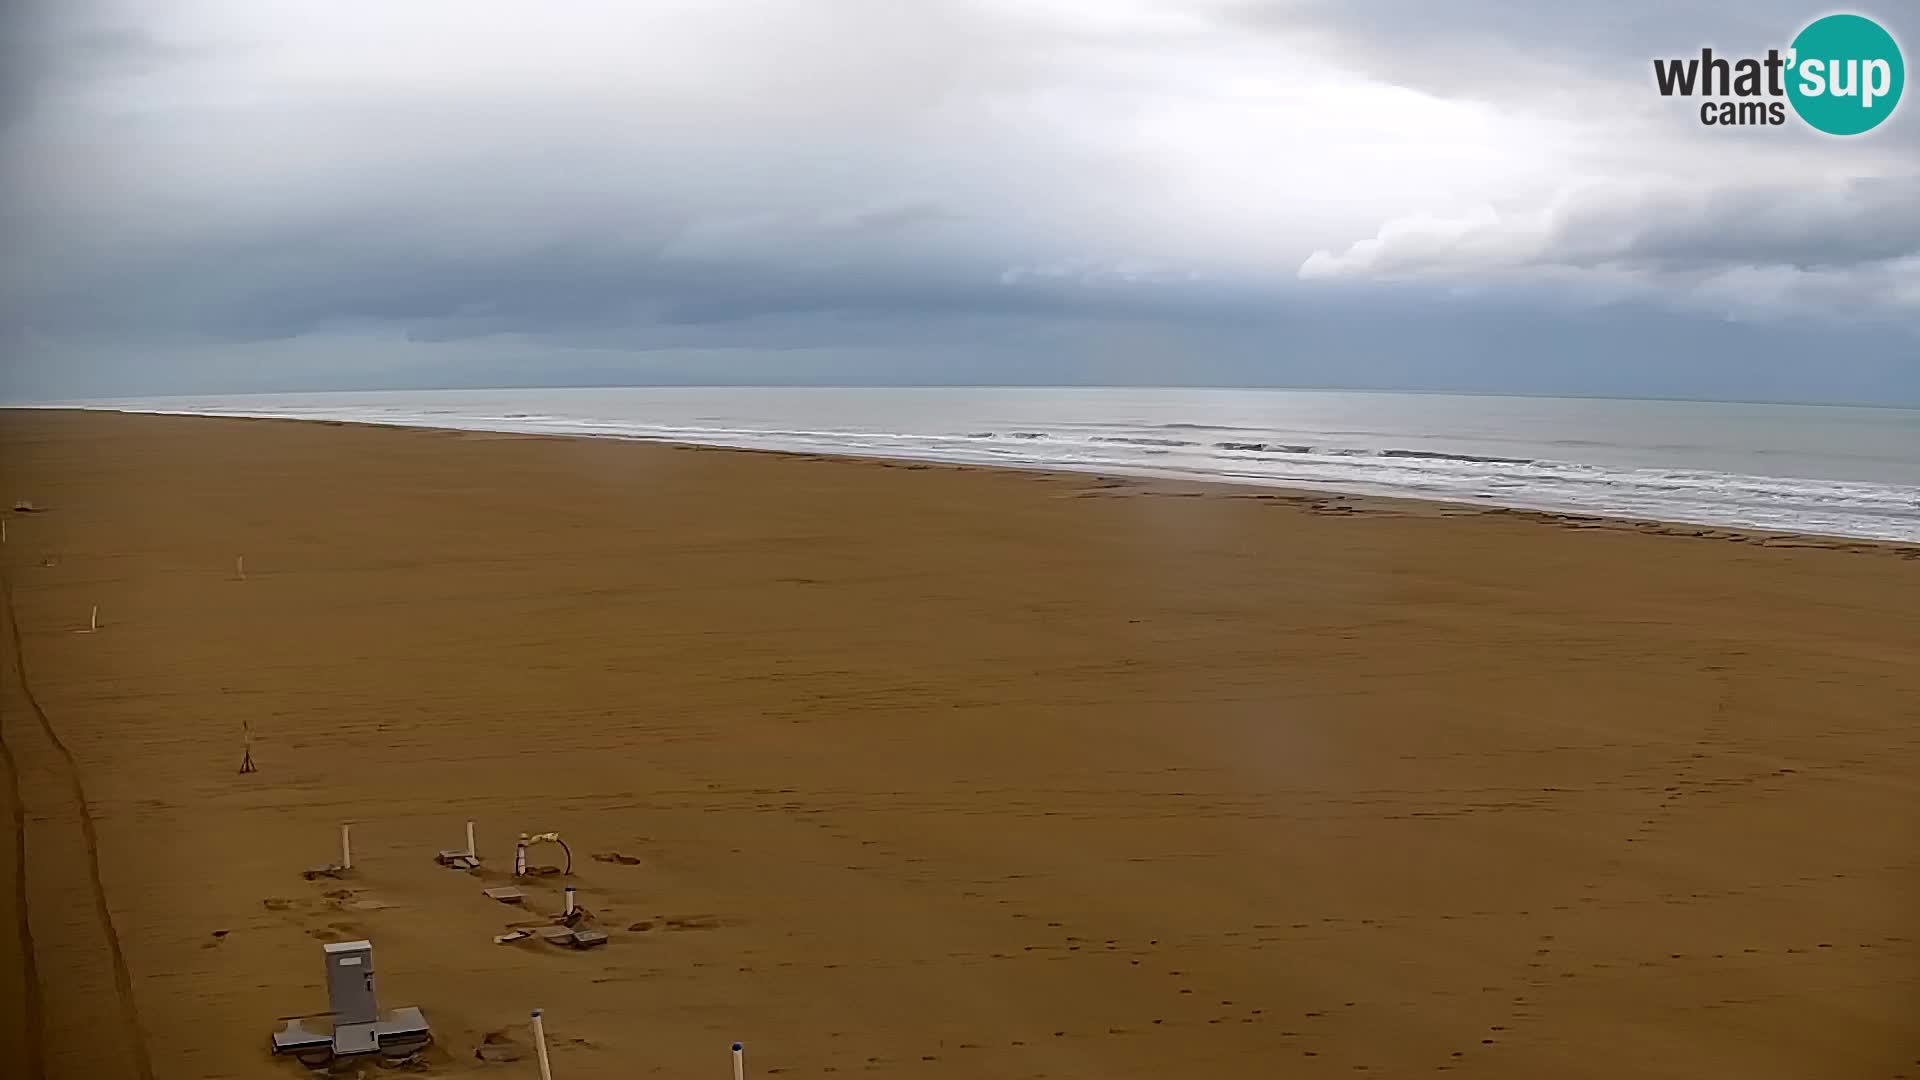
(1481, 195)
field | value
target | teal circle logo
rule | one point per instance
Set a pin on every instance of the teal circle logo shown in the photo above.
(1846, 74)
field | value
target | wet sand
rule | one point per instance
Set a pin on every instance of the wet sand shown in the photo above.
(918, 771)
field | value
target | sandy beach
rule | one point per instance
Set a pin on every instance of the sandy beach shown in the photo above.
(936, 772)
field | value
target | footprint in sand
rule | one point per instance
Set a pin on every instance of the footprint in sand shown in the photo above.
(498, 1046)
(695, 922)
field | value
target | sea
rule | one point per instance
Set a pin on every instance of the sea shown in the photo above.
(1826, 470)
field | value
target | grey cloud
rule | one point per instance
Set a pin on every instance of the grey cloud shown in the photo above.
(103, 51)
(1515, 342)
(49, 48)
(24, 58)
(797, 176)
(1858, 221)
(1688, 217)
(1517, 47)
(325, 277)
(795, 191)
(1588, 68)
(1851, 246)
(899, 215)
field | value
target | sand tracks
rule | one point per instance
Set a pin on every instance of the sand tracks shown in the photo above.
(77, 987)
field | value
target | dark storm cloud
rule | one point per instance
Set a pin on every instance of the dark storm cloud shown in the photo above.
(1510, 342)
(948, 190)
(289, 283)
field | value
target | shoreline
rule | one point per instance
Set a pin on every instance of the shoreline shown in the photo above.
(1229, 487)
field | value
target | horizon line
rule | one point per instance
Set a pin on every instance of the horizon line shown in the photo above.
(853, 385)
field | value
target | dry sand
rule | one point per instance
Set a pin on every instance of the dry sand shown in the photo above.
(937, 772)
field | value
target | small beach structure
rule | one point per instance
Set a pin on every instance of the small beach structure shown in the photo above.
(358, 1026)
(520, 867)
(568, 937)
(339, 869)
(459, 858)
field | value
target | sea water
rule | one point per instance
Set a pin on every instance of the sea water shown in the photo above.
(1828, 470)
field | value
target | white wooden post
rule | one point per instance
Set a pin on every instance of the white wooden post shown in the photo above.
(540, 1046)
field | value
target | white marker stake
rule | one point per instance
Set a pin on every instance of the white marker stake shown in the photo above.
(240, 567)
(520, 856)
(739, 1062)
(471, 853)
(346, 847)
(569, 910)
(93, 620)
(540, 1046)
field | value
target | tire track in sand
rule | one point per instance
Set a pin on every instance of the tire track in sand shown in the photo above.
(122, 979)
(34, 1013)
